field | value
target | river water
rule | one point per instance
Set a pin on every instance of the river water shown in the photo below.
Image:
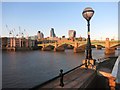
(26, 69)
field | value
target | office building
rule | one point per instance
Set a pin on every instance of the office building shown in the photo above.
(72, 33)
(40, 35)
(52, 33)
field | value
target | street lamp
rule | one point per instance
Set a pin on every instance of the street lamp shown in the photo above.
(87, 14)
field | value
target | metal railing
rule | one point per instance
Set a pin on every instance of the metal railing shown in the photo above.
(61, 75)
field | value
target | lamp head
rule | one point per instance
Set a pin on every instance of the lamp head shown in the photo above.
(88, 13)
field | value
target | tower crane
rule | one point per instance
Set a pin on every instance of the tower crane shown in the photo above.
(10, 32)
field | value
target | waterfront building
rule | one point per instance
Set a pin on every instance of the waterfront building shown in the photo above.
(33, 37)
(4, 41)
(17, 42)
(52, 33)
(40, 35)
(32, 43)
(72, 34)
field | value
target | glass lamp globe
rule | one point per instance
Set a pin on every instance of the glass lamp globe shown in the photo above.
(88, 13)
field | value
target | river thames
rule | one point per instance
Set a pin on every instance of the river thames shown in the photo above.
(26, 69)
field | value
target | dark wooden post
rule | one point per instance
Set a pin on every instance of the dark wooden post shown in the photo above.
(61, 78)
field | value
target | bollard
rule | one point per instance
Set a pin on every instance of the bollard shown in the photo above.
(61, 78)
(86, 64)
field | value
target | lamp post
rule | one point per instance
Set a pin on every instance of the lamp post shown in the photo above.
(87, 14)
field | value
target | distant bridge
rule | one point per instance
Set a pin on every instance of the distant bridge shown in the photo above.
(59, 46)
(62, 43)
(79, 46)
(104, 43)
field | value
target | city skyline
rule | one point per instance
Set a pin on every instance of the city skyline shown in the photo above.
(62, 16)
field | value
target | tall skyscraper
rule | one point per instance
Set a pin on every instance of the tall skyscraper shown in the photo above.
(40, 35)
(52, 33)
(72, 33)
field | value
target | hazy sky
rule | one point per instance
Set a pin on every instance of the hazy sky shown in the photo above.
(62, 16)
(119, 21)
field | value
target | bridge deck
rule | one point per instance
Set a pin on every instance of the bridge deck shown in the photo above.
(79, 78)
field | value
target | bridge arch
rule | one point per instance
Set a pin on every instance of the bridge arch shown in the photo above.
(48, 47)
(66, 46)
(115, 46)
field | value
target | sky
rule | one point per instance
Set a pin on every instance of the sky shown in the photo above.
(59, 0)
(62, 16)
(118, 20)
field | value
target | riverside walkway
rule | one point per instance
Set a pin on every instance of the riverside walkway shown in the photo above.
(79, 78)
(118, 75)
(116, 70)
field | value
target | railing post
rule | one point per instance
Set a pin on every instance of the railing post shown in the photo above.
(61, 78)
(86, 64)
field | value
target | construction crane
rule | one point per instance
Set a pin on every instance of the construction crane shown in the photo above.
(15, 33)
(20, 35)
(9, 31)
(12, 32)
(25, 33)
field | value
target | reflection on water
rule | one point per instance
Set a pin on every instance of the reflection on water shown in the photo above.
(29, 68)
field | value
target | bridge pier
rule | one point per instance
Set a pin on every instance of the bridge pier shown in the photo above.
(98, 47)
(59, 48)
(47, 48)
(108, 49)
(78, 49)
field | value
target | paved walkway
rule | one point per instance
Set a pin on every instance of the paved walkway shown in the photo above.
(79, 78)
(116, 70)
(118, 75)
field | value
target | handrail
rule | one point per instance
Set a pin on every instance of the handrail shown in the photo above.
(34, 88)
